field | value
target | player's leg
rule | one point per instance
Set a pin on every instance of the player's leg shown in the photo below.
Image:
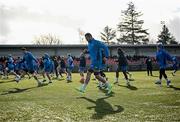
(56, 72)
(175, 70)
(165, 77)
(68, 74)
(48, 76)
(34, 73)
(81, 71)
(88, 77)
(100, 78)
(148, 71)
(151, 71)
(117, 75)
(130, 75)
(160, 77)
(44, 77)
(17, 77)
(124, 70)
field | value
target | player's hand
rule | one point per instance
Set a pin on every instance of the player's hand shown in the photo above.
(85, 51)
(105, 59)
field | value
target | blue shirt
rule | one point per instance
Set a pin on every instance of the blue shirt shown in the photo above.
(94, 49)
(70, 62)
(162, 56)
(82, 61)
(29, 58)
(10, 63)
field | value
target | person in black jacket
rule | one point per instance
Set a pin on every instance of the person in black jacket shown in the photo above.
(122, 66)
(149, 66)
(82, 66)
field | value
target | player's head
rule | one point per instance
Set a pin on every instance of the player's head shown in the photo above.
(160, 46)
(62, 57)
(24, 49)
(69, 54)
(88, 37)
(9, 55)
(119, 51)
(46, 55)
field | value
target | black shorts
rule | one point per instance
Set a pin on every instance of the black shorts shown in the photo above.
(31, 71)
(94, 71)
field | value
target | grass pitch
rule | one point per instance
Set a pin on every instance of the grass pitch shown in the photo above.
(60, 101)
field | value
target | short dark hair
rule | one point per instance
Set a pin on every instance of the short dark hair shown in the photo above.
(120, 50)
(88, 34)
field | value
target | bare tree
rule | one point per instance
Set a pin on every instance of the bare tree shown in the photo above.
(47, 39)
(108, 35)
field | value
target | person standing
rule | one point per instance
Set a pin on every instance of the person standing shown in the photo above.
(149, 66)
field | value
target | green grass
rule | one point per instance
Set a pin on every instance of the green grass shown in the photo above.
(60, 101)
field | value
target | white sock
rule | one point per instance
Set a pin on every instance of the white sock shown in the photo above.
(107, 84)
(38, 81)
(100, 84)
(127, 81)
(84, 86)
(167, 80)
(116, 79)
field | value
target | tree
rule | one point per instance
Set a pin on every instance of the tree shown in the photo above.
(130, 28)
(47, 39)
(165, 36)
(108, 35)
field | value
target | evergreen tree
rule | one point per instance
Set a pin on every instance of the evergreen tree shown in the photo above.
(131, 31)
(165, 36)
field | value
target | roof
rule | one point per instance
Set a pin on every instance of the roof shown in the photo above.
(82, 46)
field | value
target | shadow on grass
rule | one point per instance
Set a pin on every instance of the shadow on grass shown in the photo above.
(9, 81)
(18, 90)
(69, 81)
(105, 91)
(130, 87)
(60, 79)
(175, 88)
(102, 107)
(131, 79)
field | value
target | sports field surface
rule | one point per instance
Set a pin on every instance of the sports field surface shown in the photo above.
(60, 101)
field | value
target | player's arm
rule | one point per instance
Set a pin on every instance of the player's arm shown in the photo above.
(85, 51)
(31, 56)
(104, 47)
(168, 56)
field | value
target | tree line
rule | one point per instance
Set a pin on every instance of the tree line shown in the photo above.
(129, 31)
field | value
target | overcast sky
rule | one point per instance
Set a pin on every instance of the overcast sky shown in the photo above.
(22, 20)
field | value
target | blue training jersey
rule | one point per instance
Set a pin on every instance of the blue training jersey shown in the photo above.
(70, 62)
(94, 48)
(162, 56)
(10, 63)
(29, 58)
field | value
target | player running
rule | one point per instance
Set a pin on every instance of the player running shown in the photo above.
(10, 68)
(82, 66)
(29, 59)
(175, 65)
(122, 66)
(94, 47)
(47, 67)
(70, 66)
(162, 56)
